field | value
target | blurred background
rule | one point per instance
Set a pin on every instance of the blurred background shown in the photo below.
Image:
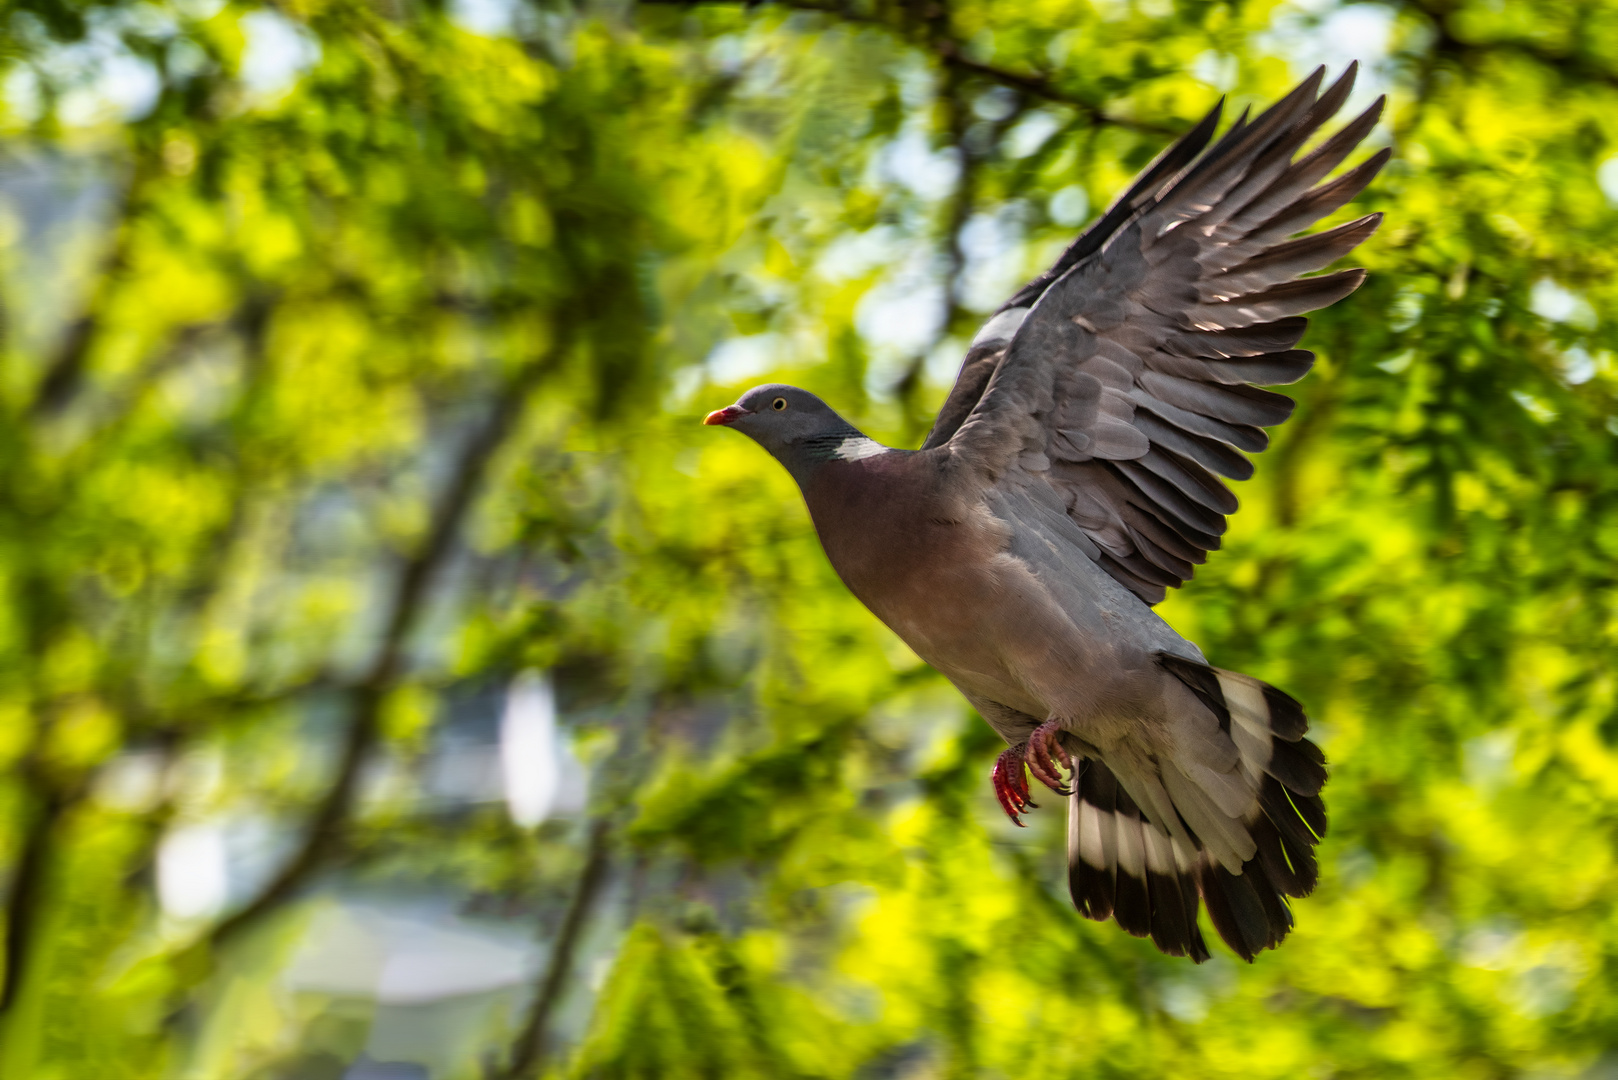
(398, 683)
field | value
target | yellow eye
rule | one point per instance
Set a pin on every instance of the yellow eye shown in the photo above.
(778, 404)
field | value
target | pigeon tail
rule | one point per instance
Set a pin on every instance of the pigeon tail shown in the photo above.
(1228, 820)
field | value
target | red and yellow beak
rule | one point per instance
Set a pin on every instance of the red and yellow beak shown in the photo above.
(728, 415)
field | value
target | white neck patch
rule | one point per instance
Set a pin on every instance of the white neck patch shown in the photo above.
(856, 447)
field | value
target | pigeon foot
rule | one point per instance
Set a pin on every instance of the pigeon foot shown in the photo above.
(1039, 755)
(1011, 784)
(1043, 751)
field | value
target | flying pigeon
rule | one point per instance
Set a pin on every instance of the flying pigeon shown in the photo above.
(1071, 477)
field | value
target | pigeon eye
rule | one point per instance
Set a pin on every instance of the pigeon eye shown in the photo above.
(778, 404)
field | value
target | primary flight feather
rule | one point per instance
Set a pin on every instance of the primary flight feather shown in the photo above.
(1071, 476)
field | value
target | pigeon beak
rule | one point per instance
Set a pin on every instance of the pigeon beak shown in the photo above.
(729, 414)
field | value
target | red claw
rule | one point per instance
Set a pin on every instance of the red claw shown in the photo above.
(1039, 755)
(1044, 750)
(1011, 786)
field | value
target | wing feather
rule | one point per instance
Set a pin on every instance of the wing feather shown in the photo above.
(1210, 453)
(1192, 480)
(1177, 503)
(1243, 436)
(1225, 344)
(1286, 261)
(1128, 375)
(1238, 404)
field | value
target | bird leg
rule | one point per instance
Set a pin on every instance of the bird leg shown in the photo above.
(1043, 751)
(1039, 754)
(1010, 785)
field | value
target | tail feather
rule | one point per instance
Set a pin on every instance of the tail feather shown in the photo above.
(1290, 870)
(1299, 765)
(1173, 906)
(1237, 837)
(1092, 843)
(1298, 834)
(1222, 837)
(1124, 867)
(1132, 906)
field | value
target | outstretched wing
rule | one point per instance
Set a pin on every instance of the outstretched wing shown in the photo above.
(1127, 375)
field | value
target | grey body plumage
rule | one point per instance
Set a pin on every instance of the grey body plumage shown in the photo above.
(1071, 476)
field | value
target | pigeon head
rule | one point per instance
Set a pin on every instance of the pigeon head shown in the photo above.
(797, 428)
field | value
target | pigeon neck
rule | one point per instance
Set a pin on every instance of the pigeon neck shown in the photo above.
(806, 456)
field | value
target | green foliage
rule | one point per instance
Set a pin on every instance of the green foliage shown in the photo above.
(341, 400)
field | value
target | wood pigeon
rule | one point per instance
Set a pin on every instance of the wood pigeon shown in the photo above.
(1071, 477)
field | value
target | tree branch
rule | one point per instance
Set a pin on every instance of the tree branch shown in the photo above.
(1573, 63)
(948, 52)
(529, 1047)
(1040, 86)
(64, 374)
(25, 898)
(322, 835)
